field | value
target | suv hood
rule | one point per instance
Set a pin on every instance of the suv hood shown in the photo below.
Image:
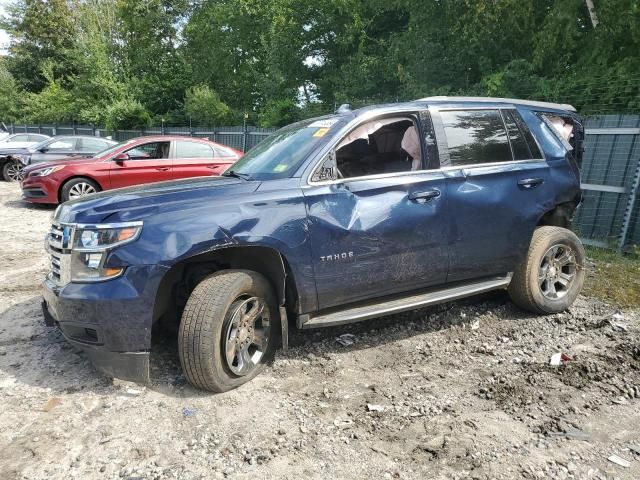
(143, 201)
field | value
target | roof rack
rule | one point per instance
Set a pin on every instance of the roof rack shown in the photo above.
(531, 103)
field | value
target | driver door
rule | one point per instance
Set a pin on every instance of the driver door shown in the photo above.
(146, 163)
(380, 234)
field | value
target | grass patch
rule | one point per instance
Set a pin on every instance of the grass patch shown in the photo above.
(613, 277)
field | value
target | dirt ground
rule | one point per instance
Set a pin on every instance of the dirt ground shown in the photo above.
(461, 391)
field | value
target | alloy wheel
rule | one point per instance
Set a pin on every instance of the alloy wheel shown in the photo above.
(557, 271)
(14, 172)
(81, 189)
(247, 335)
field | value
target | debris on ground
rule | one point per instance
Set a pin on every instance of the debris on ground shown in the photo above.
(346, 339)
(375, 408)
(189, 412)
(619, 461)
(558, 359)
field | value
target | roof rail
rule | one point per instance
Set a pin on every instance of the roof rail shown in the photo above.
(531, 103)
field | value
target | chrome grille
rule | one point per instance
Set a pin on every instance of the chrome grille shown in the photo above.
(58, 245)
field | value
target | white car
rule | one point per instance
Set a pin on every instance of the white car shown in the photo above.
(22, 140)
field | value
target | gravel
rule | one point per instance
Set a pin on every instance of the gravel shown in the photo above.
(459, 391)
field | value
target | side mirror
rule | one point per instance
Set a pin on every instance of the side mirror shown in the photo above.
(121, 158)
(43, 149)
(328, 169)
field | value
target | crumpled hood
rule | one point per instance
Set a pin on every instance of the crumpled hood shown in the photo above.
(143, 201)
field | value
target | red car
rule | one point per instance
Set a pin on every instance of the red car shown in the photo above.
(141, 160)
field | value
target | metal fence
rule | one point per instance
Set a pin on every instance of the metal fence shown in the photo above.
(609, 215)
(240, 138)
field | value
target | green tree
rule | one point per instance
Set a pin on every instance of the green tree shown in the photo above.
(10, 96)
(54, 104)
(42, 31)
(127, 114)
(203, 105)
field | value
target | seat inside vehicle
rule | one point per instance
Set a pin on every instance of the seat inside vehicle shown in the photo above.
(375, 148)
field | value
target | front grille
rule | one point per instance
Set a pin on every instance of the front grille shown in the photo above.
(59, 248)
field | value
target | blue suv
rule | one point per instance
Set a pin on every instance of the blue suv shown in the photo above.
(328, 221)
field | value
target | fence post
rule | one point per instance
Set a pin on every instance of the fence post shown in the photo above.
(630, 204)
(12, 128)
(244, 140)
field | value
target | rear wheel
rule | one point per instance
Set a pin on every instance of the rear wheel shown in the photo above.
(77, 188)
(552, 275)
(225, 335)
(12, 171)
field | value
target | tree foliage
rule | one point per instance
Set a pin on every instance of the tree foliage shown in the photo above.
(283, 60)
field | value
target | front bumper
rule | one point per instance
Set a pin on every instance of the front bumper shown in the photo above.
(111, 321)
(40, 189)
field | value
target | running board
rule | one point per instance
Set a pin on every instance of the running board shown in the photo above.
(381, 308)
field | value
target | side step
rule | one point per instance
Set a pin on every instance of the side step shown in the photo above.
(382, 307)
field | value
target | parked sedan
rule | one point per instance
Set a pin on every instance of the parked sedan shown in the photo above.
(22, 140)
(138, 161)
(12, 161)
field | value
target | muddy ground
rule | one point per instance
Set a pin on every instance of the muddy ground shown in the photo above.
(462, 391)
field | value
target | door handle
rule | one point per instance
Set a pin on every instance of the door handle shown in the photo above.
(162, 169)
(529, 183)
(424, 196)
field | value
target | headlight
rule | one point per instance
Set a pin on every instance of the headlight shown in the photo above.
(91, 244)
(46, 171)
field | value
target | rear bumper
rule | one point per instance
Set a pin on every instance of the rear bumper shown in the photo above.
(111, 321)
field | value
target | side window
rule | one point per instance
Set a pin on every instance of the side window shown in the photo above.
(532, 146)
(62, 144)
(37, 138)
(475, 137)
(92, 145)
(186, 149)
(385, 145)
(150, 151)
(518, 143)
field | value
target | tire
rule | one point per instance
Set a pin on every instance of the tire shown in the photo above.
(78, 188)
(12, 171)
(552, 275)
(211, 316)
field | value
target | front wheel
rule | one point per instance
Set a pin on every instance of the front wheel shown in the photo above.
(552, 275)
(12, 171)
(77, 188)
(225, 334)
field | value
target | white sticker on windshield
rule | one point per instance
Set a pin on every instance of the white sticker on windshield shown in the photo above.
(323, 123)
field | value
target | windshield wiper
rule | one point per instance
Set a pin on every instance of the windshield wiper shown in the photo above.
(233, 173)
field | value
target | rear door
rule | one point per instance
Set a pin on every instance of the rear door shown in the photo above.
(497, 188)
(55, 150)
(146, 163)
(197, 159)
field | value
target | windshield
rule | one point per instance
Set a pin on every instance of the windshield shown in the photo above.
(282, 153)
(110, 150)
(41, 144)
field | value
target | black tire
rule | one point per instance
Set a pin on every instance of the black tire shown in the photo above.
(552, 275)
(68, 189)
(207, 321)
(8, 171)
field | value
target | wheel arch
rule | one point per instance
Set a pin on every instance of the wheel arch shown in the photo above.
(560, 215)
(75, 177)
(178, 283)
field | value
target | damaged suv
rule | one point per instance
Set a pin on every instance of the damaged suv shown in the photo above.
(328, 221)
